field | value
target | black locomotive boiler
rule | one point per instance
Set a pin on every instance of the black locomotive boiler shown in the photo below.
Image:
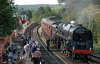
(73, 39)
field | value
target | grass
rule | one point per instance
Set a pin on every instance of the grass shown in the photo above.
(96, 48)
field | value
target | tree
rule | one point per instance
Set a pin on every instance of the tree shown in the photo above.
(40, 10)
(47, 9)
(96, 2)
(43, 12)
(94, 31)
(22, 11)
(29, 14)
(7, 20)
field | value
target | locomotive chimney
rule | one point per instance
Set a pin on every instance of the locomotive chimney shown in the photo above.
(80, 24)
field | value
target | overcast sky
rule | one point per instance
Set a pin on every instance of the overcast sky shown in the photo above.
(23, 2)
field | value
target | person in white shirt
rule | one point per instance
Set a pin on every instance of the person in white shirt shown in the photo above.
(26, 48)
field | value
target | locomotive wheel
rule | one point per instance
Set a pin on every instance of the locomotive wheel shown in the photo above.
(89, 57)
(73, 56)
(77, 56)
(68, 54)
(61, 49)
(86, 58)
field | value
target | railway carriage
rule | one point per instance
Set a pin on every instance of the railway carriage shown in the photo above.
(73, 39)
(46, 25)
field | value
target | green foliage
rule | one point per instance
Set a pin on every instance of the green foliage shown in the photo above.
(96, 49)
(33, 7)
(47, 9)
(7, 20)
(22, 11)
(29, 14)
(97, 24)
(60, 13)
(58, 9)
(96, 2)
(42, 12)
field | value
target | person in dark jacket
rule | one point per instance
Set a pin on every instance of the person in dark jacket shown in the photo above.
(24, 40)
(10, 48)
(31, 43)
(37, 56)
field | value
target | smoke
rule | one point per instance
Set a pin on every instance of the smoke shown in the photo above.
(82, 9)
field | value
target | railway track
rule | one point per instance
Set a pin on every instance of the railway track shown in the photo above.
(28, 30)
(49, 57)
(92, 59)
(95, 58)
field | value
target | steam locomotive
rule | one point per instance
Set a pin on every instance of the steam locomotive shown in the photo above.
(72, 39)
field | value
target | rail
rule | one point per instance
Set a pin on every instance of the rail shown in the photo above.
(28, 30)
(95, 57)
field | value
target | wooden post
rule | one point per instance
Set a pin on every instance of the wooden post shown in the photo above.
(1, 59)
(1, 49)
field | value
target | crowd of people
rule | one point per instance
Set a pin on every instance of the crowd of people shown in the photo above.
(30, 48)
